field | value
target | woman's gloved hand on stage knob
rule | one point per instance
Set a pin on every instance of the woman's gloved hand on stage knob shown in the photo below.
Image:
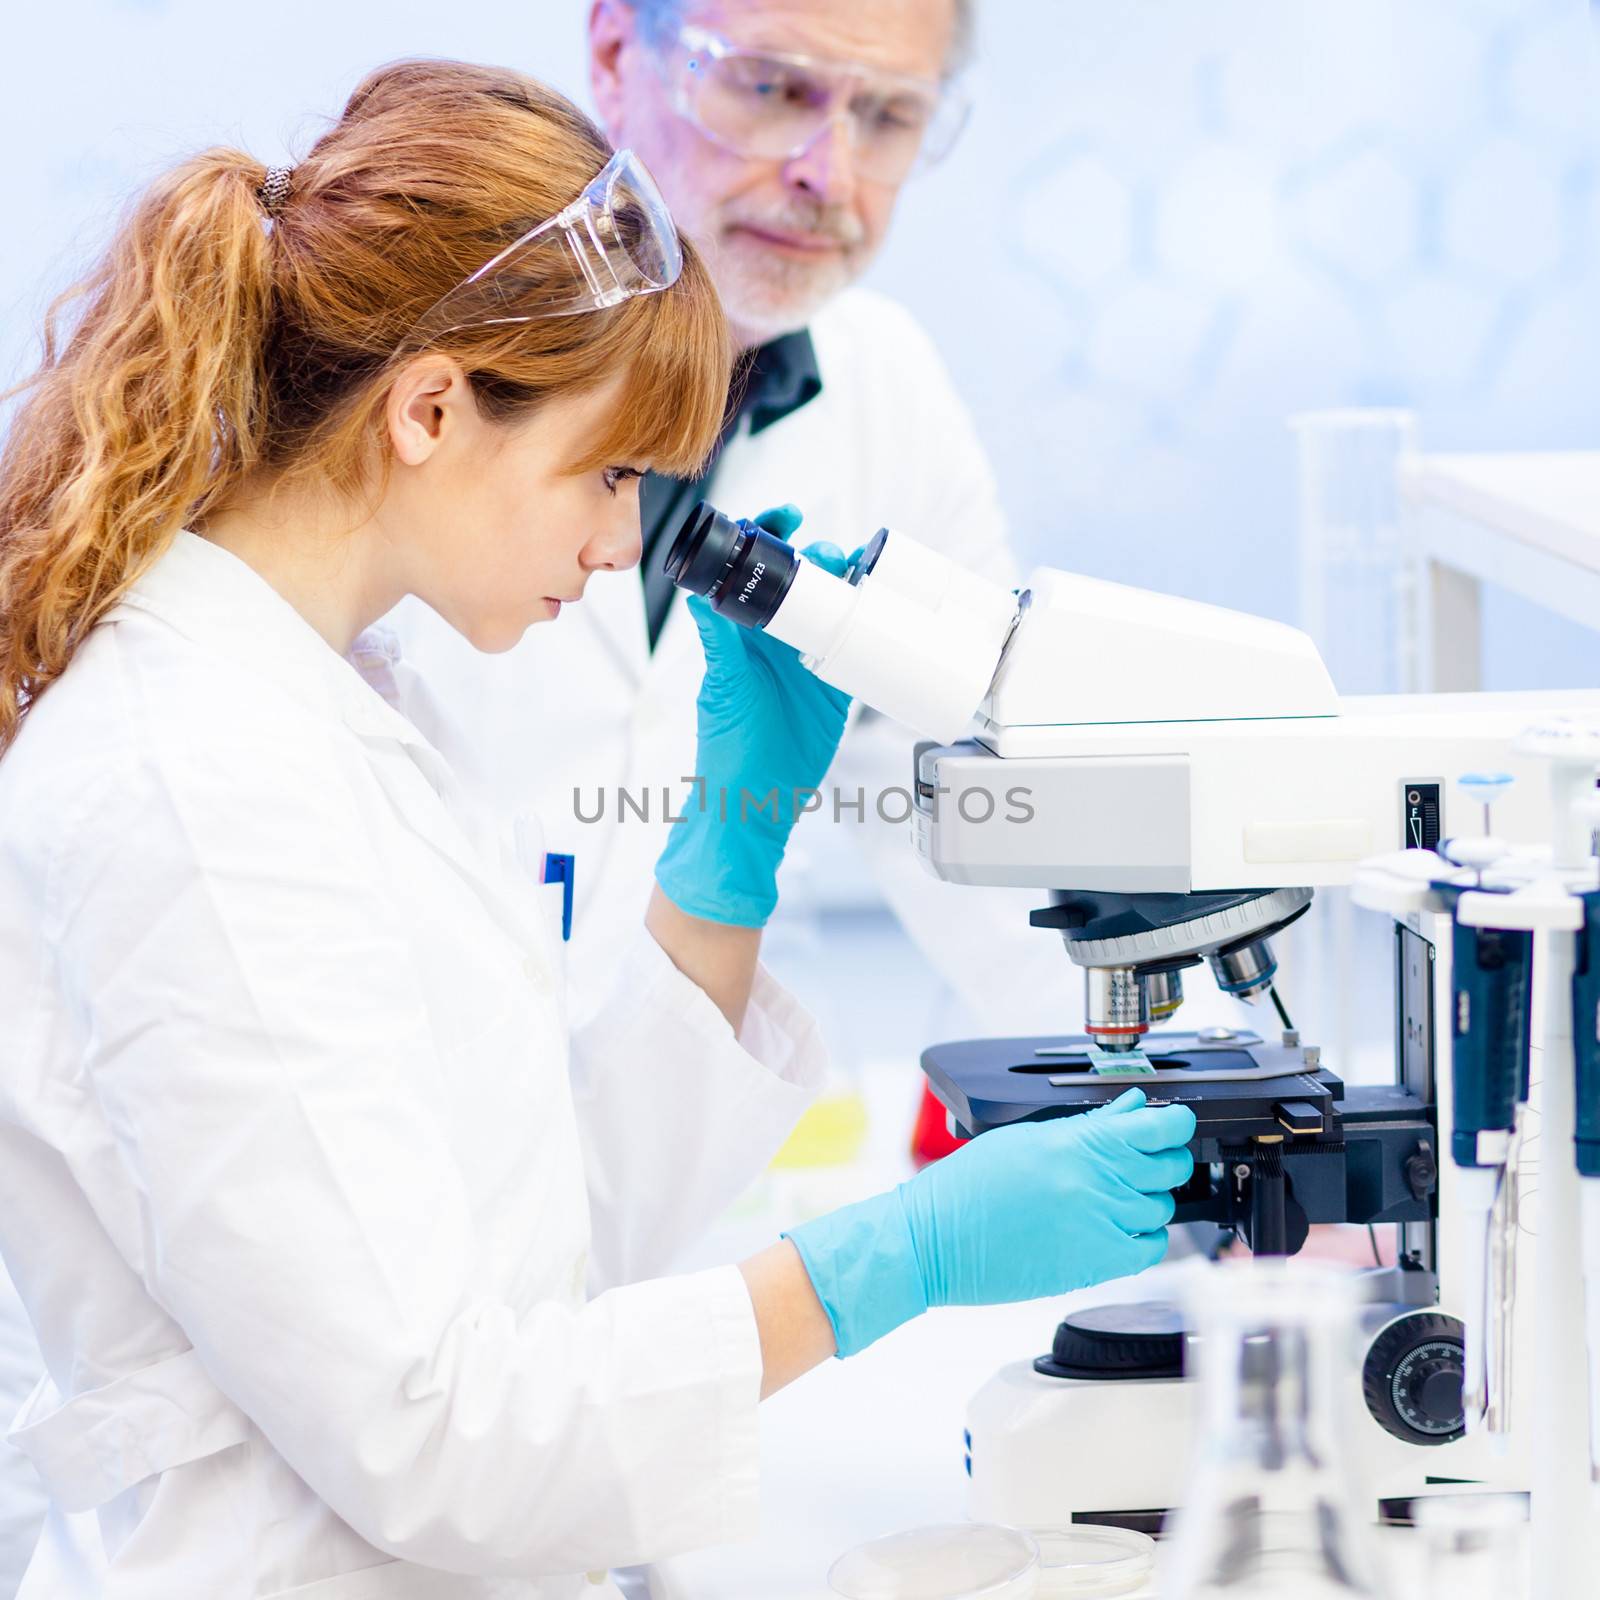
(1034, 1209)
(768, 730)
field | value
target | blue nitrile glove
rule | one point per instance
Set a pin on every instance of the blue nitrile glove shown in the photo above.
(768, 733)
(1033, 1209)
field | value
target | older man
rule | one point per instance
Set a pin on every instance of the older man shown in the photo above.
(782, 133)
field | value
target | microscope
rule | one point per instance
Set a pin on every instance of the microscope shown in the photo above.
(1165, 843)
(1177, 781)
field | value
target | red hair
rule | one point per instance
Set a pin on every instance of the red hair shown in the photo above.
(204, 348)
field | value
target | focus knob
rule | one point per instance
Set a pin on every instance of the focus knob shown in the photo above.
(1413, 1375)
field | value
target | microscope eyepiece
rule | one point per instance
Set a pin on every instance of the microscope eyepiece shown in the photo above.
(743, 570)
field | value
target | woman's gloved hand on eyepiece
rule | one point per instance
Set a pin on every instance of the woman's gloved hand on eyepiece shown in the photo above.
(768, 730)
(1034, 1209)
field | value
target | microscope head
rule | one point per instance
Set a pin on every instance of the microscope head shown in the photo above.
(1103, 697)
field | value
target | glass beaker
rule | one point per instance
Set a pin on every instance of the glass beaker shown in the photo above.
(1476, 1544)
(1272, 1507)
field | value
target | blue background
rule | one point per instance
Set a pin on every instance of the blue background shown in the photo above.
(1172, 223)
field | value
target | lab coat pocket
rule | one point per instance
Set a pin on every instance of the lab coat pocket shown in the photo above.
(552, 901)
(548, 902)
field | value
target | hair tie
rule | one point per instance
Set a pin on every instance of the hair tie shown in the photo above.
(274, 189)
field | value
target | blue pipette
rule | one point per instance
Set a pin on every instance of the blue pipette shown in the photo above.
(1586, 1064)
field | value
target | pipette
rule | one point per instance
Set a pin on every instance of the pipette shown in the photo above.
(1491, 1057)
(1493, 972)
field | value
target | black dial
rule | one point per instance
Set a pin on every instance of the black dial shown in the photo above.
(1412, 1378)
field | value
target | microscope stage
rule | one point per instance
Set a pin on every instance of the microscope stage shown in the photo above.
(1238, 1086)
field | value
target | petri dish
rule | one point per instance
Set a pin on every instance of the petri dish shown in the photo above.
(955, 1561)
(1093, 1563)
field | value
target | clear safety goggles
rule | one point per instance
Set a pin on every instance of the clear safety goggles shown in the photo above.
(619, 241)
(768, 106)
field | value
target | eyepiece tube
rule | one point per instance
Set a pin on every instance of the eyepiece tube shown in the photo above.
(906, 631)
(743, 570)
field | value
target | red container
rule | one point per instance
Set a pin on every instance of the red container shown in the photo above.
(931, 1139)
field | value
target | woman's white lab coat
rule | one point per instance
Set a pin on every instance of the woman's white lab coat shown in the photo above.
(301, 1176)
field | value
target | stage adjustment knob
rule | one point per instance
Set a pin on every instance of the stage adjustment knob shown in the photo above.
(1412, 1377)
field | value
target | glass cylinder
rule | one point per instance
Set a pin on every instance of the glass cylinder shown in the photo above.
(1358, 602)
(1355, 579)
(1272, 1508)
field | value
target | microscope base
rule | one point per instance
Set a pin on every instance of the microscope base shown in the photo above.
(1046, 1452)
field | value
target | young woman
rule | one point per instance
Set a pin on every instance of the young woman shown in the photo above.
(338, 1246)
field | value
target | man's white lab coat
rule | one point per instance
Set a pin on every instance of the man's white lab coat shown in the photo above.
(295, 1179)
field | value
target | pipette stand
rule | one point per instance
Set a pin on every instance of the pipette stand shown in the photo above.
(1536, 891)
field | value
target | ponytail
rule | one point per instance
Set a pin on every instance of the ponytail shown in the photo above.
(147, 406)
(204, 359)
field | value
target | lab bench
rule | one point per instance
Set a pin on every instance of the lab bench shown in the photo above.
(873, 1445)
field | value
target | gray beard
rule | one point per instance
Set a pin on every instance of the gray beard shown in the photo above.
(780, 297)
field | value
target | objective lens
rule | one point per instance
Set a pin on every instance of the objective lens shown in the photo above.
(1245, 972)
(1163, 992)
(1116, 1008)
(743, 570)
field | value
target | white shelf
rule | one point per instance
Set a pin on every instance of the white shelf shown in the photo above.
(1526, 523)
(1549, 503)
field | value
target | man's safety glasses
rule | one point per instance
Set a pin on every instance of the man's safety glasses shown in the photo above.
(618, 241)
(771, 107)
